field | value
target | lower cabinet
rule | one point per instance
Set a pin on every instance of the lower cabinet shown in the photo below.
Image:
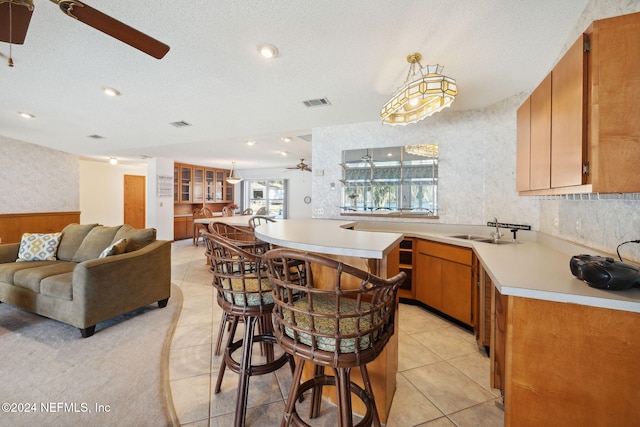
(182, 227)
(443, 279)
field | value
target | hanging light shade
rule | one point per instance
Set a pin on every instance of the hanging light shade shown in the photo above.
(424, 150)
(424, 92)
(232, 179)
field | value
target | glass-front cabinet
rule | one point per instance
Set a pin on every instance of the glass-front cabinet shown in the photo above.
(200, 185)
(185, 183)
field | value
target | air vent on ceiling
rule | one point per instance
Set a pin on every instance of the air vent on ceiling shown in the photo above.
(180, 124)
(305, 137)
(316, 102)
(95, 136)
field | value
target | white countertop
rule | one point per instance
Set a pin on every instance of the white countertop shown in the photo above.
(328, 237)
(534, 267)
(237, 220)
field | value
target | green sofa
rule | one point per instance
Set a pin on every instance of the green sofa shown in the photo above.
(93, 274)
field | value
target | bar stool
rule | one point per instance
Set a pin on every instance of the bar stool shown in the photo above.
(339, 328)
(244, 292)
(243, 238)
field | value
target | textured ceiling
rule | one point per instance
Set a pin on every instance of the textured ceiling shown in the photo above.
(351, 52)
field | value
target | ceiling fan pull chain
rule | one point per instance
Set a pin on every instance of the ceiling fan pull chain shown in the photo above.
(10, 60)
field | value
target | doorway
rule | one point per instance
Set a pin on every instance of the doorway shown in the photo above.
(135, 212)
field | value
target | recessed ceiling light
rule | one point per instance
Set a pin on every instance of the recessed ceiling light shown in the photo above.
(284, 153)
(26, 115)
(250, 142)
(287, 139)
(268, 50)
(113, 161)
(111, 91)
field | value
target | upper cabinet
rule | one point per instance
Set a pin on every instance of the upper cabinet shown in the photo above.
(197, 185)
(577, 132)
(614, 81)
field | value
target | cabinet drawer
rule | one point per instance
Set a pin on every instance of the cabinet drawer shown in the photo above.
(444, 251)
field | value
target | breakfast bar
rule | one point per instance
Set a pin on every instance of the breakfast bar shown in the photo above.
(362, 249)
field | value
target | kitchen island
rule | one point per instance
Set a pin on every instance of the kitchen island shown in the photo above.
(562, 352)
(362, 249)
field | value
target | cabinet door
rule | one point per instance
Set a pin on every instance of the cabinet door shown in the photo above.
(209, 185)
(428, 280)
(197, 189)
(523, 179)
(456, 290)
(228, 188)
(176, 183)
(179, 228)
(568, 117)
(615, 109)
(185, 183)
(541, 136)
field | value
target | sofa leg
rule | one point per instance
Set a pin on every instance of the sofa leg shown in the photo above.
(87, 332)
(163, 302)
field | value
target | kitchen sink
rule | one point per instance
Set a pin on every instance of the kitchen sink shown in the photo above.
(482, 239)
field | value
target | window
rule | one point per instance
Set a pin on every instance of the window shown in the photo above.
(268, 195)
(391, 180)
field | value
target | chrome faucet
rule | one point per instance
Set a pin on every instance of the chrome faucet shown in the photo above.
(496, 234)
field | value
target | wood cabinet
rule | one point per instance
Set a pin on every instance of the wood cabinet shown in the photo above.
(406, 261)
(443, 279)
(197, 185)
(482, 304)
(592, 100)
(182, 227)
(565, 364)
(540, 128)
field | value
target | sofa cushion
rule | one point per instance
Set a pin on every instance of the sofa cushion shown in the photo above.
(9, 269)
(30, 278)
(116, 248)
(58, 286)
(137, 238)
(72, 237)
(95, 242)
(38, 246)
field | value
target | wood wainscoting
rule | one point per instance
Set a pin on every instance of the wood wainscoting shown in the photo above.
(12, 226)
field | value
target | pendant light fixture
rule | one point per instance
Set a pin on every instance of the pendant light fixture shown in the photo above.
(232, 179)
(425, 91)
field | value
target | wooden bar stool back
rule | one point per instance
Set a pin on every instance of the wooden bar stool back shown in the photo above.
(339, 327)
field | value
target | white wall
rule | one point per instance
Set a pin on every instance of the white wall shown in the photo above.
(159, 209)
(102, 191)
(477, 168)
(299, 186)
(37, 179)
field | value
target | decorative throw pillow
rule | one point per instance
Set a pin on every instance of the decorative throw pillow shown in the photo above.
(136, 238)
(38, 247)
(71, 239)
(116, 248)
(96, 241)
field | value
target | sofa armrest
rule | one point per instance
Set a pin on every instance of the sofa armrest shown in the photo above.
(107, 287)
(9, 252)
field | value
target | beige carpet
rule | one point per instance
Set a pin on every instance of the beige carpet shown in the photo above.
(50, 376)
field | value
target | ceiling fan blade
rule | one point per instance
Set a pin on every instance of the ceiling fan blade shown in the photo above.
(19, 23)
(110, 26)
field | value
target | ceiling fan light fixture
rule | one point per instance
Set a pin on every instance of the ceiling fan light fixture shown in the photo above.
(425, 92)
(232, 179)
(268, 50)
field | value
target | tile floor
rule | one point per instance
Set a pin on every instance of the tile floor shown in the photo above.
(443, 377)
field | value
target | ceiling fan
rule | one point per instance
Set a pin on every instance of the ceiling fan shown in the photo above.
(15, 16)
(302, 166)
